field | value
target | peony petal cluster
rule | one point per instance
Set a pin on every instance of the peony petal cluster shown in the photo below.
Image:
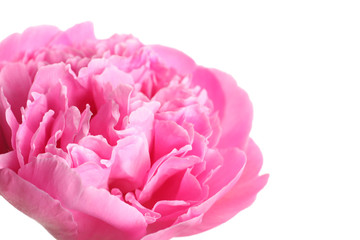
(113, 139)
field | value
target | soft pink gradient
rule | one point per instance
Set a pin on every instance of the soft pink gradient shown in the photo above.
(113, 139)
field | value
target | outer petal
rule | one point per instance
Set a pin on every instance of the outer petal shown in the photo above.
(233, 104)
(173, 58)
(30, 40)
(93, 206)
(38, 205)
(76, 35)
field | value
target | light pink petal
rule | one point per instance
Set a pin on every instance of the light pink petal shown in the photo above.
(38, 205)
(143, 120)
(72, 121)
(49, 76)
(254, 162)
(93, 175)
(30, 40)
(234, 162)
(80, 155)
(104, 121)
(116, 85)
(97, 144)
(41, 136)
(237, 199)
(84, 125)
(233, 104)
(150, 216)
(130, 161)
(31, 120)
(15, 81)
(164, 142)
(53, 176)
(178, 230)
(9, 160)
(77, 35)
(173, 58)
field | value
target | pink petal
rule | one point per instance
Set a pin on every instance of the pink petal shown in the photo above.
(254, 162)
(233, 104)
(166, 170)
(237, 199)
(31, 120)
(80, 155)
(173, 58)
(5, 130)
(77, 35)
(53, 176)
(234, 162)
(15, 81)
(104, 121)
(93, 175)
(41, 136)
(49, 76)
(97, 144)
(164, 142)
(130, 161)
(30, 40)
(9, 160)
(38, 205)
(177, 230)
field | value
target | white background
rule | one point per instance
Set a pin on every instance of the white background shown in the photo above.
(299, 62)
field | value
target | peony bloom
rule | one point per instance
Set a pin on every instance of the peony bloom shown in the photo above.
(112, 139)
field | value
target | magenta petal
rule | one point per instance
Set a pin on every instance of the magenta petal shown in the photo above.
(233, 104)
(173, 58)
(9, 160)
(38, 205)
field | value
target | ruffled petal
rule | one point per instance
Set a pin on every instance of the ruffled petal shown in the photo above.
(38, 205)
(232, 103)
(52, 175)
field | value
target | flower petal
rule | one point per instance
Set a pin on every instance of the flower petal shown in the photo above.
(38, 205)
(76, 35)
(173, 58)
(233, 104)
(9, 160)
(52, 175)
(15, 80)
(30, 40)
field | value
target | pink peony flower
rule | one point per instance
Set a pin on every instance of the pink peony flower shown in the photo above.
(113, 139)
